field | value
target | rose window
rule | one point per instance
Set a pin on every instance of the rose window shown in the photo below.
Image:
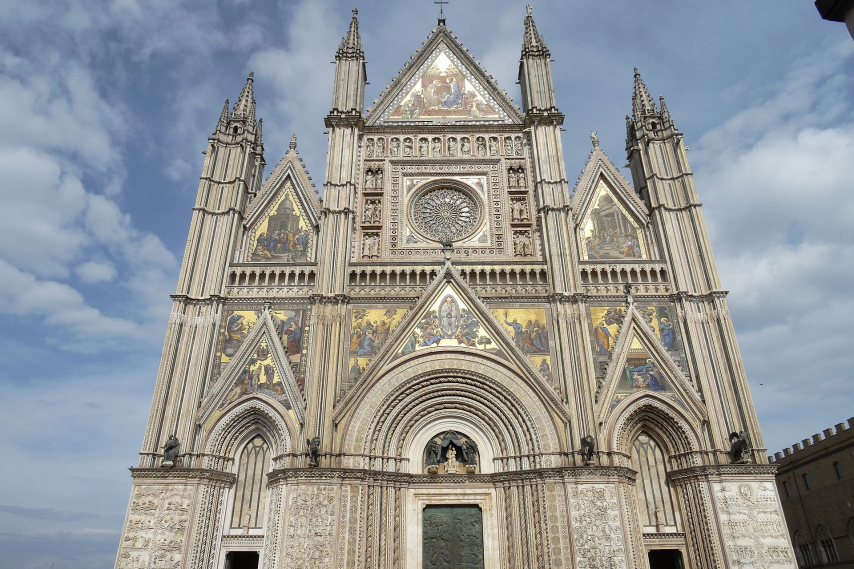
(445, 213)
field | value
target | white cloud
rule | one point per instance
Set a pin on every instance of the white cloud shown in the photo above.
(94, 272)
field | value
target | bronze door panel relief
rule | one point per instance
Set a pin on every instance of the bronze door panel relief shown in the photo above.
(453, 537)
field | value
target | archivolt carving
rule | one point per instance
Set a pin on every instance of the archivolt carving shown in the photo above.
(251, 413)
(503, 403)
(677, 434)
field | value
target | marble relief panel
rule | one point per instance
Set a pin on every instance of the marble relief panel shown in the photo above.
(156, 527)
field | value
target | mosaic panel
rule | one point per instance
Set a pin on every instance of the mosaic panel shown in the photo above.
(608, 231)
(531, 332)
(283, 235)
(370, 328)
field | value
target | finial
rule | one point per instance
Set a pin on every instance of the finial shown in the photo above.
(293, 144)
(441, 4)
(533, 39)
(529, 10)
(594, 138)
(251, 76)
(355, 12)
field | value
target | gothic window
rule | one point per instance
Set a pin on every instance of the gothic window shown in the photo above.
(828, 548)
(655, 499)
(250, 492)
(837, 467)
(802, 550)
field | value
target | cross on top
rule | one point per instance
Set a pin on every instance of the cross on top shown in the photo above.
(441, 4)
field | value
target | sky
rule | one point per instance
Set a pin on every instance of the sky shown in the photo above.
(107, 106)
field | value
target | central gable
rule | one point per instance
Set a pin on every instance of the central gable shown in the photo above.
(444, 86)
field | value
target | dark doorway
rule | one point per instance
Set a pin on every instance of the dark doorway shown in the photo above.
(452, 537)
(241, 560)
(665, 559)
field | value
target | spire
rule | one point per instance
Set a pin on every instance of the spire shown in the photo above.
(223, 117)
(665, 114)
(351, 44)
(245, 106)
(258, 132)
(642, 102)
(533, 39)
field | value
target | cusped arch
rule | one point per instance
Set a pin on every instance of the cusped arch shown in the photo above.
(514, 422)
(254, 414)
(649, 412)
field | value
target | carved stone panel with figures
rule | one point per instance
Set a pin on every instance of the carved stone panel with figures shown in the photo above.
(156, 528)
(310, 527)
(596, 527)
(752, 526)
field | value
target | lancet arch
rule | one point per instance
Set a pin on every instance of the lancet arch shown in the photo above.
(253, 415)
(487, 397)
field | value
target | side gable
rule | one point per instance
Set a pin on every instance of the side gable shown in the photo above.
(283, 221)
(641, 366)
(443, 84)
(610, 220)
(261, 365)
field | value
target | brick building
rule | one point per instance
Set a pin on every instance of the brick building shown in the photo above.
(815, 479)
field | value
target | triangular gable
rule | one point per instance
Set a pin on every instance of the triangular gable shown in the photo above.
(450, 315)
(282, 222)
(261, 365)
(641, 366)
(443, 84)
(610, 219)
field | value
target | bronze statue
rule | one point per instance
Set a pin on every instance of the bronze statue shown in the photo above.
(170, 450)
(433, 449)
(313, 451)
(470, 452)
(739, 448)
(588, 448)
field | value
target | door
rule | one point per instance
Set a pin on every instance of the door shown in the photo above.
(452, 537)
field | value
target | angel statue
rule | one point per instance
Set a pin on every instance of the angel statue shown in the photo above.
(313, 451)
(588, 447)
(170, 451)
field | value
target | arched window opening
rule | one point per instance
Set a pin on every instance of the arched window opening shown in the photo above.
(807, 481)
(840, 474)
(655, 500)
(786, 489)
(827, 547)
(250, 492)
(802, 550)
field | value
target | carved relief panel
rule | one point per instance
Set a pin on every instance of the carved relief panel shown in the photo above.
(310, 527)
(156, 528)
(596, 527)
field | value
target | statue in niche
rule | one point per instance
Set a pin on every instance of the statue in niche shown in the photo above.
(369, 148)
(481, 146)
(521, 177)
(433, 449)
(493, 147)
(395, 147)
(437, 147)
(368, 216)
(371, 246)
(379, 147)
(522, 246)
(508, 146)
(407, 147)
(452, 146)
(470, 455)
(511, 177)
(466, 147)
(517, 146)
(588, 448)
(739, 448)
(369, 178)
(422, 147)
(451, 465)
(170, 451)
(379, 179)
(313, 451)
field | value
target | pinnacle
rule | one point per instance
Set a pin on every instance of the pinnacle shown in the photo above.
(223, 117)
(351, 44)
(642, 102)
(245, 106)
(533, 39)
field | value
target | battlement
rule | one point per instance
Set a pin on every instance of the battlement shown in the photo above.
(824, 439)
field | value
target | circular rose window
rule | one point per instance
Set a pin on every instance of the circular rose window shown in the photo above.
(445, 213)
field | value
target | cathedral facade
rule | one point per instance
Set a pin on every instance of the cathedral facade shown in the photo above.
(452, 359)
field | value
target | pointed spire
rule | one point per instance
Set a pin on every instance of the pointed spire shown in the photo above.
(665, 114)
(642, 102)
(258, 140)
(533, 39)
(351, 44)
(293, 144)
(245, 106)
(223, 117)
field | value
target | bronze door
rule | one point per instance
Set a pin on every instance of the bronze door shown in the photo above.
(452, 537)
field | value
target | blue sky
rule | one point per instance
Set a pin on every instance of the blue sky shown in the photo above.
(107, 107)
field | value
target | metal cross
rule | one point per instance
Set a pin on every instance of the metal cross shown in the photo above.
(441, 4)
